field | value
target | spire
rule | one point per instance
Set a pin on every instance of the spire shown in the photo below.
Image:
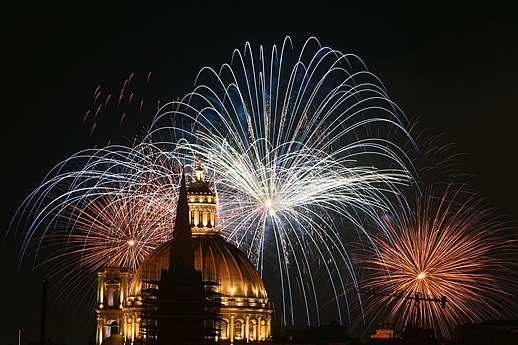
(181, 249)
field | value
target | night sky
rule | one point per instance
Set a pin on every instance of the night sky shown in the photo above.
(453, 67)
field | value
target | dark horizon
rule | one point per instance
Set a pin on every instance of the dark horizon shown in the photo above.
(454, 68)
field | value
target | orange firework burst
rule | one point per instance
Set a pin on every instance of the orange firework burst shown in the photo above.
(451, 260)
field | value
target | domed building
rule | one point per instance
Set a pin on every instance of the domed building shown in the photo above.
(245, 311)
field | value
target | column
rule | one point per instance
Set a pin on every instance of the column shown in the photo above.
(247, 325)
(260, 335)
(231, 329)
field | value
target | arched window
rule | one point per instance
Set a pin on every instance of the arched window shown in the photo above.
(114, 328)
(224, 329)
(112, 288)
(238, 329)
(209, 219)
(111, 296)
(111, 327)
(252, 330)
(262, 330)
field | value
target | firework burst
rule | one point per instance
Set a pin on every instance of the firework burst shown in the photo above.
(450, 247)
(103, 207)
(300, 146)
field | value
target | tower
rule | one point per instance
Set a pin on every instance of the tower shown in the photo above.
(112, 297)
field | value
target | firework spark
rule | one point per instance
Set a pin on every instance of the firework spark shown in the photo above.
(450, 246)
(122, 110)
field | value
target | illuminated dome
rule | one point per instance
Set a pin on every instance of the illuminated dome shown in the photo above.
(246, 311)
(218, 261)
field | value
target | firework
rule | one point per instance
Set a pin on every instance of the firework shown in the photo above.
(448, 260)
(299, 147)
(112, 211)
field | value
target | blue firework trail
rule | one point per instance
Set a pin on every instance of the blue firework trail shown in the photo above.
(300, 145)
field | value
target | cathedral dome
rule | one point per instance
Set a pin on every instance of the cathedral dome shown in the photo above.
(245, 309)
(217, 259)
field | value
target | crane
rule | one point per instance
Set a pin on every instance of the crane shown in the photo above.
(416, 297)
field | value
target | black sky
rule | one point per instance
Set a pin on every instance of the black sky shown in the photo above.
(454, 67)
